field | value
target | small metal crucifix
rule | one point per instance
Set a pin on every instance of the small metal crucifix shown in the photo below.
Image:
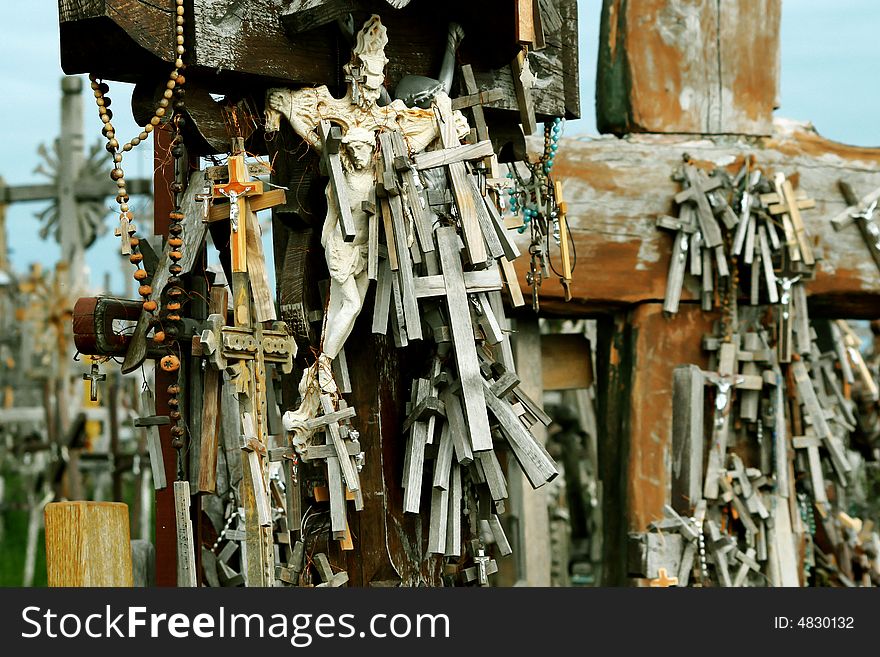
(93, 377)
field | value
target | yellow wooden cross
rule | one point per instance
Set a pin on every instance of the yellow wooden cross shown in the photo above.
(788, 203)
(663, 580)
(237, 190)
(563, 240)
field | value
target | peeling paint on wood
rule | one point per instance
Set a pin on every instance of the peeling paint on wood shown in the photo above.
(688, 66)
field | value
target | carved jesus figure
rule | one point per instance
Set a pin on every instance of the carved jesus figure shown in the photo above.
(361, 119)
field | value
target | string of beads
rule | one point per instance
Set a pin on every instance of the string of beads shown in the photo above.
(167, 326)
(528, 202)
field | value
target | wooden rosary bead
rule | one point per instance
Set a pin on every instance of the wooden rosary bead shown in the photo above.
(174, 415)
(122, 198)
(150, 306)
(172, 305)
(135, 258)
(175, 215)
(175, 255)
(174, 281)
(141, 274)
(173, 402)
(145, 290)
(175, 241)
(177, 443)
(175, 229)
(134, 241)
(175, 269)
(173, 389)
(170, 363)
(159, 337)
(176, 187)
(172, 318)
(116, 174)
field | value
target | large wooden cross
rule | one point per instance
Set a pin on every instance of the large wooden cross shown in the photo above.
(695, 105)
(251, 344)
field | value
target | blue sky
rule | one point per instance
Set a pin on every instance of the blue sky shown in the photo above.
(830, 58)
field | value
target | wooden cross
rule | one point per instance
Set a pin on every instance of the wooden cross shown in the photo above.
(685, 226)
(124, 231)
(464, 200)
(784, 340)
(788, 203)
(93, 377)
(698, 186)
(725, 380)
(152, 423)
(816, 413)
(454, 288)
(482, 568)
(251, 345)
(564, 246)
(237, 190)
(810, 443)
(475, 101)
(852, 343)
(747, 203)
(862, 214)
(331, 165)
(747, 563)
(341, 451)
(754, 351)
(663, 580)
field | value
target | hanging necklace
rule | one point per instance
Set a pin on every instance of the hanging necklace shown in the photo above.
(167, 324)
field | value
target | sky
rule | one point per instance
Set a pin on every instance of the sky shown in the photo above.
(829, 62)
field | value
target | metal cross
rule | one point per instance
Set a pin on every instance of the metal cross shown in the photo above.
(482, 562)
(93, 377)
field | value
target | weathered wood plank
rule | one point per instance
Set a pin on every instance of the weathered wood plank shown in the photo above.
(703, 67)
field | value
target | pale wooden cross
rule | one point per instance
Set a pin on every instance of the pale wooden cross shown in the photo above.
(455, 285)
(852, 344)
(725, 380)
(788, 203)
(152, 423)
(698, 186)
(475, 100)
(124, 231)
(341, 451)
(331, 166)
(816, 414)
(747, 562)
(861, 212)
(684, 226)
(747, 203)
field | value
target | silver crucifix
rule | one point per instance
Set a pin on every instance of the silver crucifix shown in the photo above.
(233, 208)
